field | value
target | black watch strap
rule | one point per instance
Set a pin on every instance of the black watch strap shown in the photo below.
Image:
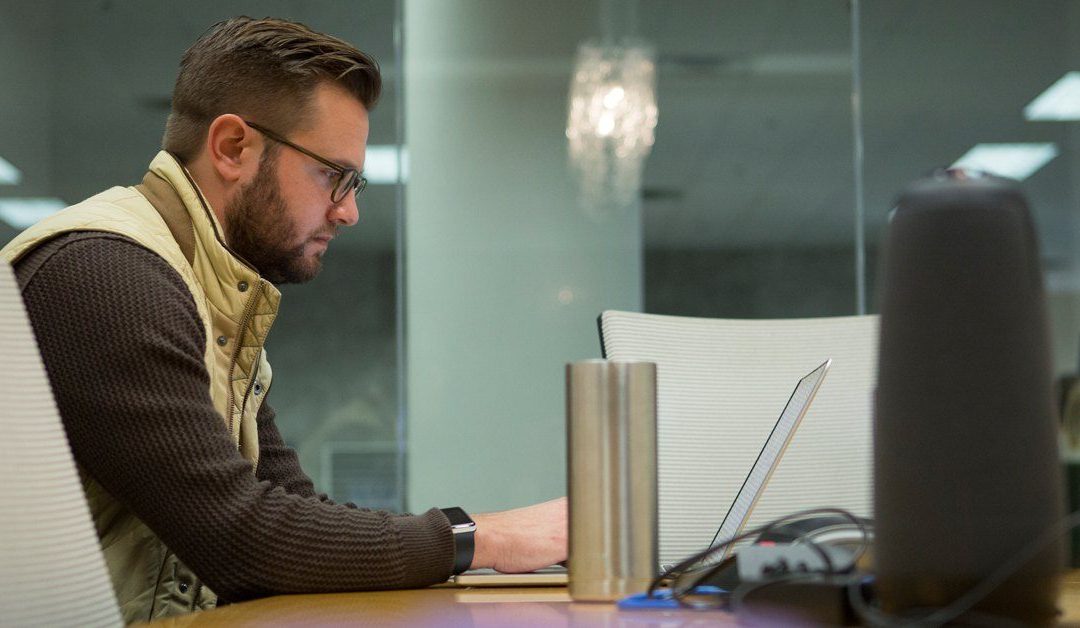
(464, 529)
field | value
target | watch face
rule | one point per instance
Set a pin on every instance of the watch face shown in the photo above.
(457, 517)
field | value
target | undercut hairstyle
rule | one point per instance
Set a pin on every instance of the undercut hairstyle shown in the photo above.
(263, 70)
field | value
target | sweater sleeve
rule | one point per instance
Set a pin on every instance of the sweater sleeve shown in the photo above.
(123, 346)
(278, 463)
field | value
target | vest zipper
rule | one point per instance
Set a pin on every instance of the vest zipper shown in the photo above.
(195, 596)
(157, 584)
(248, 307)
(251, 382)
(245, 320)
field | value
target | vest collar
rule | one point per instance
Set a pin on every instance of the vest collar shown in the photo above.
(227, 269)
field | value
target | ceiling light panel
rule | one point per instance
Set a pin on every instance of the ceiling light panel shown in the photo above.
(23, 212)
(1061, 101)
(1015, 161)
(9, 174)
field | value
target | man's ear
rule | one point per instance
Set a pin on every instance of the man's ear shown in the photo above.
(233, 149)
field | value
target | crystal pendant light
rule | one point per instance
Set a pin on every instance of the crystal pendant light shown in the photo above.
(611, 122)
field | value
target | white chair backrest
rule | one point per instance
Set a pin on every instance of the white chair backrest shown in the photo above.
(52, 572)
(721, 384)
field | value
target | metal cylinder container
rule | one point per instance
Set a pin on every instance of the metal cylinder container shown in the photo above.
(611, 477)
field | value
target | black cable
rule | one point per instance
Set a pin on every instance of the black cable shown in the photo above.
(868, 613)
(864, 545)
(864, 542)
(683, 568)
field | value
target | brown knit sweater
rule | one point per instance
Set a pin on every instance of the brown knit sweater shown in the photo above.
(123, 346)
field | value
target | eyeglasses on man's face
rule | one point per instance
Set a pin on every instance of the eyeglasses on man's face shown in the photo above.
(348, 179)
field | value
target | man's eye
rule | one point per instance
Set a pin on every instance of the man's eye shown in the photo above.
(332, 176)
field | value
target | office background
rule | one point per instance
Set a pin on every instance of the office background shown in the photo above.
(424, 366)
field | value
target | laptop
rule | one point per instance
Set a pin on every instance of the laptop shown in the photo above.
(768, 458)
(737, 515)
(554, 576)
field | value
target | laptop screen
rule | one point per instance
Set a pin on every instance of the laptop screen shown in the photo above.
(769, 457)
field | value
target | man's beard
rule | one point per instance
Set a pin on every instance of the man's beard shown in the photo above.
(259, 230)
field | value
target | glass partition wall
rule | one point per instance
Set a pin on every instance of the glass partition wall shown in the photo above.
(86, 91)
(948, 82)
(994, 84)
(786, 129)
(745, 209)
(432, 345)
(748, 195)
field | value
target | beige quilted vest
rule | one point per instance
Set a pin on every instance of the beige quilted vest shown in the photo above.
(169, 216)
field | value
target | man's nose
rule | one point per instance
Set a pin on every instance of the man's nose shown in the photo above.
(345, 213)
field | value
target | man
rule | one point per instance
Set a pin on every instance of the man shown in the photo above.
(151, 305)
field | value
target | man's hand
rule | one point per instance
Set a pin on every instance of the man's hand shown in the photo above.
(523, 539)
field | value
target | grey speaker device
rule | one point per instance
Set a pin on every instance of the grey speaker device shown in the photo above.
(965, 443)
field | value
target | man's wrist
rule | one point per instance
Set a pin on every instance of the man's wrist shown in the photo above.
(484, 542)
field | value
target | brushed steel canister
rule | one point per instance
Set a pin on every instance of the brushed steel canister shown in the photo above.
(611, 477)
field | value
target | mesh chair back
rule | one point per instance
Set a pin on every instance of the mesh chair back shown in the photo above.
(721, 384)
(52, 572)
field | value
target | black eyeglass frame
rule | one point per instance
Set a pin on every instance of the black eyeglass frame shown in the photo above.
(347, 177)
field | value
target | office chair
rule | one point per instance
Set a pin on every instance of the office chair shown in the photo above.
(721, 385)
(52, 572)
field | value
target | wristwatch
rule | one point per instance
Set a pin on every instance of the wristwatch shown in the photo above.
(463, 528)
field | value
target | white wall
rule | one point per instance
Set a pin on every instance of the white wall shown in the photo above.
(493, 235)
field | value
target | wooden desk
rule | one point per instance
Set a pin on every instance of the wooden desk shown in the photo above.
(476, 607)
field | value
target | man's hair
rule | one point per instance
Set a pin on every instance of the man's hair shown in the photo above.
(263, 70)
